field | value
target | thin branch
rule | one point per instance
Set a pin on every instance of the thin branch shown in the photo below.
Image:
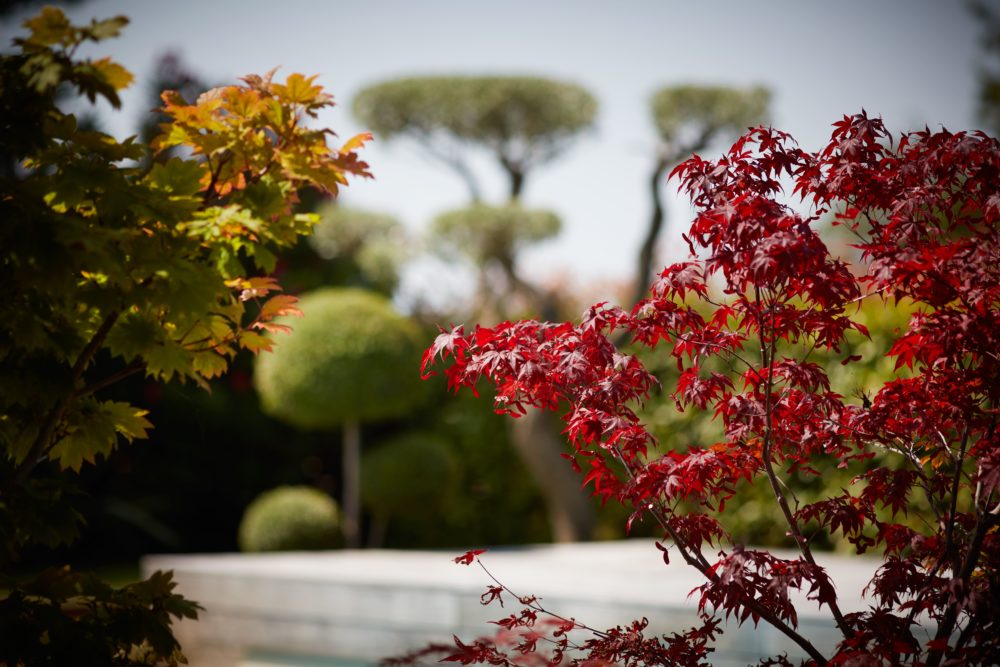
(767, 352)
(693, 556)
(532, 603)
(956, 482)
(131, 369)
(44, 440)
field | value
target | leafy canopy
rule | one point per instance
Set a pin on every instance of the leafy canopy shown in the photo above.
(350, 359)
(157, 267)
(706, 111)
(111, 268)
(924, 450)
(483, 233)
(525, 121)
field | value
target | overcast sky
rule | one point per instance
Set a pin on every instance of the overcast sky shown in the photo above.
(911, 61)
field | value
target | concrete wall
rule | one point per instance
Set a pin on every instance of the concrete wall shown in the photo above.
(344, 607)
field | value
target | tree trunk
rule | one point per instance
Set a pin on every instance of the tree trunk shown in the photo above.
(377, 531)
(535, 436)
(516, 174)
(351, 476)
(644, 269)
(571, 514)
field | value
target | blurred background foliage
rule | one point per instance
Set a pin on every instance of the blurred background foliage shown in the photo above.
(212, 454)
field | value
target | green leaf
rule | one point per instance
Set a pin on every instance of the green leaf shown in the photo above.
(266, 198)
(44, 73)
(178, 177)
(165, 360)
(130, 421)
(133, 336)
(210, 365)
(94, 429)
(21, 443)
(91, 434)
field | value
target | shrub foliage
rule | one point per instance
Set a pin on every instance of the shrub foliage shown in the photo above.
(290, 518)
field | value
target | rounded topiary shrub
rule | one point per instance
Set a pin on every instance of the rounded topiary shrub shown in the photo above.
(349, 358)
(290, 518)
(408, 475)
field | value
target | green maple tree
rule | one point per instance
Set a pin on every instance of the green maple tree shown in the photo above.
(113, 265)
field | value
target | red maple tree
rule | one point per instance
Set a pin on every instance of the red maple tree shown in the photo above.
(924, 209)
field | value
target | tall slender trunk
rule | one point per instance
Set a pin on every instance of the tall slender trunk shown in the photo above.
(570, 512)
(535, 436)
(351, 474)
(516, 174)
(644, 268)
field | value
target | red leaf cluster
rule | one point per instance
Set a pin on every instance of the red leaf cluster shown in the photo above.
(740, 320)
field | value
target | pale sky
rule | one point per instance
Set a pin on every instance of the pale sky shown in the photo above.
(911, 61)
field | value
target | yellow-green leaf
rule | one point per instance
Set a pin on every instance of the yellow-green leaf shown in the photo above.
(117, 76)
(210, 365)
(49, 27)
(255, 342)
(130, 421)
(107, 28)
(93, 431)
(177, 176)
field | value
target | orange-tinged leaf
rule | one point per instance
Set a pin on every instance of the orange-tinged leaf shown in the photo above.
(355, 142)
(298, 89)
(251, 288)
(273, 327)
(282, 304)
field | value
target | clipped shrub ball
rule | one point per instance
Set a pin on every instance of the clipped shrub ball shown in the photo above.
(350, 358)
(290, 518)
(407, 475)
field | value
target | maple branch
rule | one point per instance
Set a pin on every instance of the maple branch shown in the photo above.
(725, 350)
(455, 163)
(216, 172)
(947, 625)
(532, 603)
(956, 482)
(644, 267)
(767, 352)
(693, 557)
(133, 368)
(44, 440)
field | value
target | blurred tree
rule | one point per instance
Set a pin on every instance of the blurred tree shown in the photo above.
(350, 359)
(11, 6)
(522, 121)
(391, 488)
(490, 237)
(989, 71)
(690, 119)
(369, 248)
